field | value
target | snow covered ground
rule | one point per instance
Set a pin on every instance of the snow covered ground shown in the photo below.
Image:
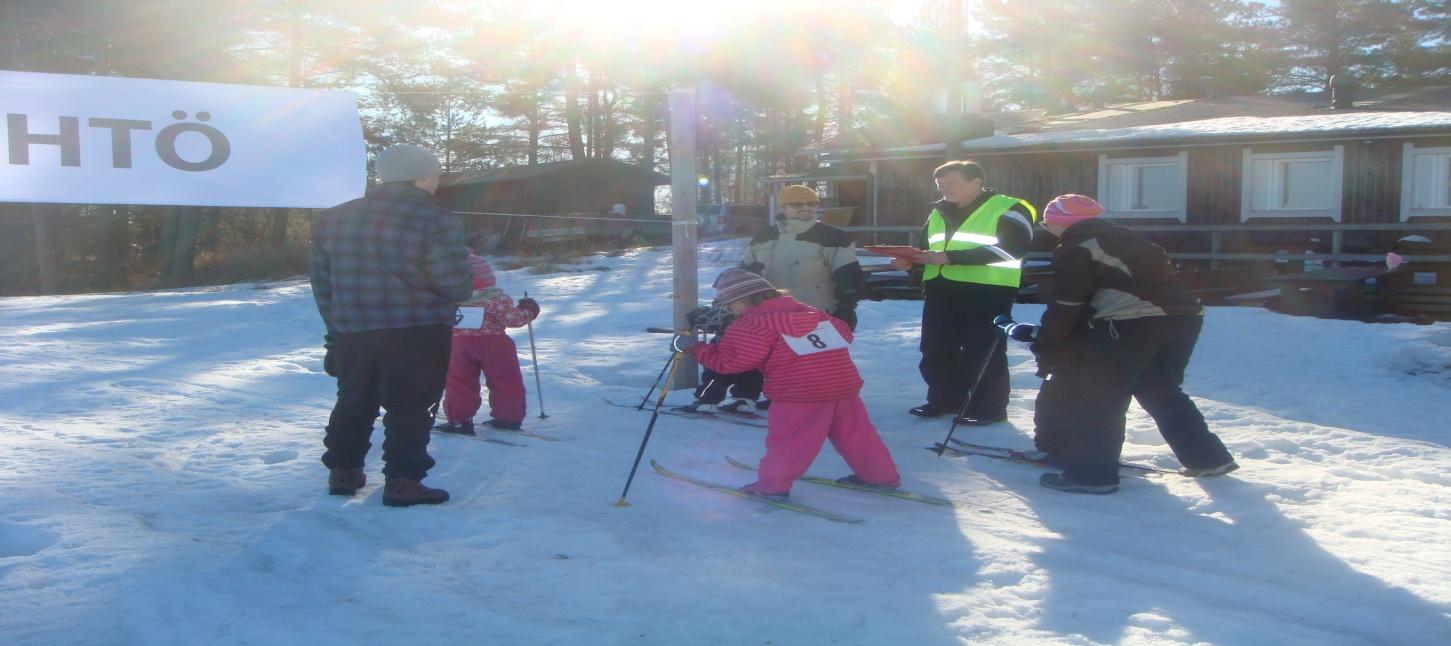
(162, 485)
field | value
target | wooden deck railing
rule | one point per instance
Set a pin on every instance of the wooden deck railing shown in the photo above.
(1217, 233)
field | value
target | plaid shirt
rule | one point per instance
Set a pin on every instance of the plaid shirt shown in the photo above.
(393, 259)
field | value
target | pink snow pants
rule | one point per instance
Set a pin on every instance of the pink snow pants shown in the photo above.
(798, 430)
(495, 356)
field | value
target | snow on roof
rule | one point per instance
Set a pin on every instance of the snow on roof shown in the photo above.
(1299, 126)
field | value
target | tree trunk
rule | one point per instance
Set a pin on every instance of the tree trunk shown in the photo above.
(740, 172)
(166, 247)
(211, 226)
(649, 107)
(41, 242)
(822, 101)
(178, 243)
(592, 107)
(571, 112)
(112, 238)
(534, 128)
(294, 79)
(185, 243)
(608, 99)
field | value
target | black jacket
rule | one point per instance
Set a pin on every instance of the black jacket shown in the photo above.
(1104, 271)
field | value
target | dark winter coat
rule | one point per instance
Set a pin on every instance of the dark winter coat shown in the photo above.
(392, 259)
(1102, 271)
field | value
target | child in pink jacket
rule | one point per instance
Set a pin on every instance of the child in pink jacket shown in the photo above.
(489, 350)
(809, 378)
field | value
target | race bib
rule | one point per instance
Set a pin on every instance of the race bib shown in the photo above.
(469, 317)
(823, 338)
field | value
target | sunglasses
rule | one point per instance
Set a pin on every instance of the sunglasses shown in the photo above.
(803, 205)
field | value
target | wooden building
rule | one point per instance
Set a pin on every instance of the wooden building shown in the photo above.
(1232, 161)
(1263, 187)
(492, 200)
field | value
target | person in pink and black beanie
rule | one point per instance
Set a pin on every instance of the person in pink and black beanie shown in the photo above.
(810, 378)
(1119, 325)
(487, 349)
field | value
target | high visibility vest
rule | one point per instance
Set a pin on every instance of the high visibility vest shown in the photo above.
(979, 230)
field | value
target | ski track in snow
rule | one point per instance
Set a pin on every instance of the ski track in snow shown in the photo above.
(163, 486)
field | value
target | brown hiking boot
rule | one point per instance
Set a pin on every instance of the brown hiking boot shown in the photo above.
(406, 492)
(345, 482)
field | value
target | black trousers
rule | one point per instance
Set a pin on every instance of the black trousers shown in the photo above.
(957, 337)
(1081, 407)
(714, 386)
(401, 370)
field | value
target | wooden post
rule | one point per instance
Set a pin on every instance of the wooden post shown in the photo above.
(683, 219)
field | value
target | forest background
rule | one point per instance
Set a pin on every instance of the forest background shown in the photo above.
(493, 83)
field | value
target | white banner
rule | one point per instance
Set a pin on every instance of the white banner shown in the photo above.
(110, 140)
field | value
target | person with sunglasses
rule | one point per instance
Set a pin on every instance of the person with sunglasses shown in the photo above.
(812, 261)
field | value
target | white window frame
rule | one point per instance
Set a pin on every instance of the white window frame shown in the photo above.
(1409, 152)
(1180, 160)
(1336, 157)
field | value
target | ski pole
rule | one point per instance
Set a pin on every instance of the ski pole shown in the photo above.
(538, 389)
(997, 339)
(664, 390)
(657, 382)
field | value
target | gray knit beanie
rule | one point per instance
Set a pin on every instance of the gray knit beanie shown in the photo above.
(405, 163)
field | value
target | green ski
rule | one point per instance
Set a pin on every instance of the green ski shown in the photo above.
(781, 504)
(894, 493)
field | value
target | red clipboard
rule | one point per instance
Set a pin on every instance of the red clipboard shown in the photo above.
(910, 254)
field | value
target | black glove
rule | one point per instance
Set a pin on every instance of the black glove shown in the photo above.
(529, 304)
(1048, 357)
(329, 363)
(847, 314)
(682, 342)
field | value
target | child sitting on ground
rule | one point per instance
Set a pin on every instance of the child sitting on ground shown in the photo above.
(809, 377)
(489, 350)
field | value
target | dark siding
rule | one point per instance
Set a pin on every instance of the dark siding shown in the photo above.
(1214, 180)
(1371, 185)
(905, 191)
(1040, 178)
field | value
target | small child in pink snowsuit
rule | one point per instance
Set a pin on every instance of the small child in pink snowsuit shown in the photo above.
(809, 378)
(490, 350)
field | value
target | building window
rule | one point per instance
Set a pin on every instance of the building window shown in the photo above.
(1145, 187)
(1281, 185)
(1425, 181)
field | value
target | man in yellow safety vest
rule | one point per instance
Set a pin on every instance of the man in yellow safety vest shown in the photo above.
(974, 242)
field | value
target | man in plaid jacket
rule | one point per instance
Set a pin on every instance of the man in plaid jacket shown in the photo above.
(388, 271)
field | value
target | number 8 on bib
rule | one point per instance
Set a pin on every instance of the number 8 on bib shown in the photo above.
(822, 339)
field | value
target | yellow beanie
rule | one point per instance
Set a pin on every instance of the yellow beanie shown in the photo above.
(796, 194)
